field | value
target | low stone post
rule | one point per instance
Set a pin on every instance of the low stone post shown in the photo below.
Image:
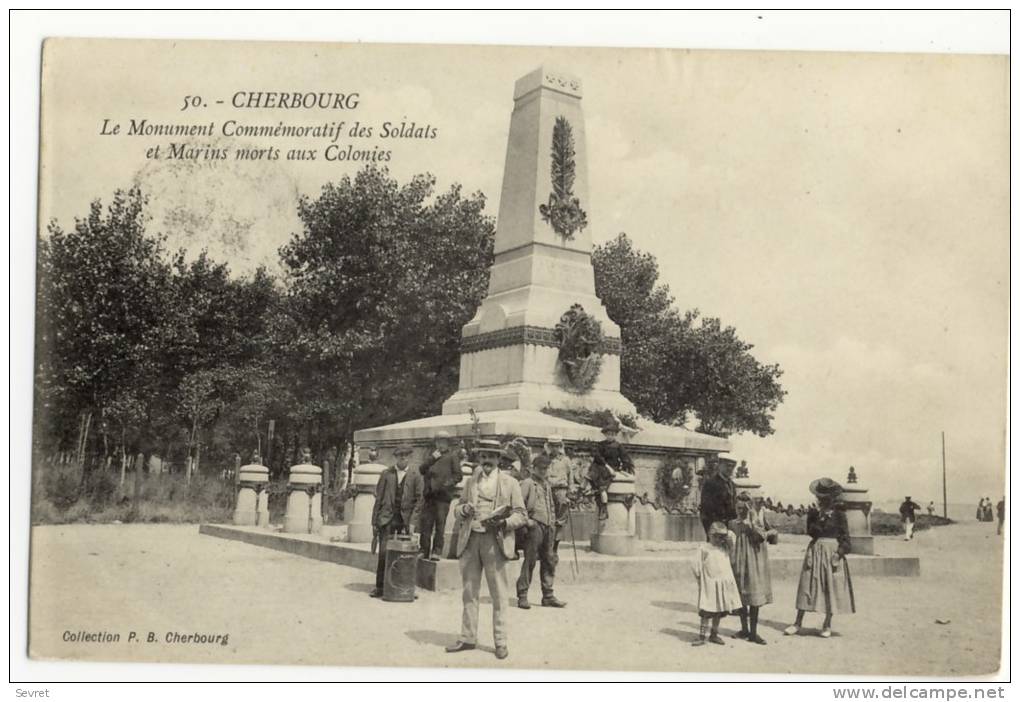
(854, 500)
(252, 508)
(359, 525)
(304, 500)
(617, 534)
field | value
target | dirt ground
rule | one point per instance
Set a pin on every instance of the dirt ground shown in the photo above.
(280, 608)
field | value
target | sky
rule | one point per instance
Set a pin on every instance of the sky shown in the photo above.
(846, 213)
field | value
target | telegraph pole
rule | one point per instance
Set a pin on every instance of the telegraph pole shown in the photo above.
(945, 503)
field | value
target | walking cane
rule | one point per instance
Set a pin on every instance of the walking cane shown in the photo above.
(573, 543)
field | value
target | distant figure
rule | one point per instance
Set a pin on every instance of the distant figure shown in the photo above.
(1001, 511)
(768, 503)
(851, 477)
(980, 514)
(931, 509)
(988, 509)
(907, 510)
(742, 470)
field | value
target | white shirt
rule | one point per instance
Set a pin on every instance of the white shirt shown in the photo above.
(401, 472)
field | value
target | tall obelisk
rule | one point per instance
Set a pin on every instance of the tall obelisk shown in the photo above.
(509, 350)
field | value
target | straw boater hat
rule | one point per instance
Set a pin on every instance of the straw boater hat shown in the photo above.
(825, 487)
(488, 446)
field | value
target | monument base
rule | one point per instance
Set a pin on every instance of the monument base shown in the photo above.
(669, 562)
(614, 544)
(862, 545)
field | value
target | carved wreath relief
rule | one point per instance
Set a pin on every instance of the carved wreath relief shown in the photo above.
(580, 341)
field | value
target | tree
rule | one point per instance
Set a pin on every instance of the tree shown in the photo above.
(677, 363)
(380, 281)
(101, 298)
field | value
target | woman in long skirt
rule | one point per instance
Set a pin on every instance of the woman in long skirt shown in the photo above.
(825, 584)
(750, 560)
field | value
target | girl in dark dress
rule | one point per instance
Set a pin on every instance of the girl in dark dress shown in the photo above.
(825, 584)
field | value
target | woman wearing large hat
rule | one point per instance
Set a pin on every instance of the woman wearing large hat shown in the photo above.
(825, 584)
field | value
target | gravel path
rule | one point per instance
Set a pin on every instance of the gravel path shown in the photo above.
(280, 608)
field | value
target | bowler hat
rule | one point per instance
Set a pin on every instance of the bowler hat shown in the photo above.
(488, 446)
(403, 450)
(825, 487)
(541, 462)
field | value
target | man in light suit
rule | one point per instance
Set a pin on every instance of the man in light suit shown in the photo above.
(398, 505)
(490, 510)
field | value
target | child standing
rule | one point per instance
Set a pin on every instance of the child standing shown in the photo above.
(717, 590)
(750, 560)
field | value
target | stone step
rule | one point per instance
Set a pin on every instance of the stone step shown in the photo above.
(669, 561)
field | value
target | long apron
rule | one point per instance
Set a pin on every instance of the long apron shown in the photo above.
(825, 586)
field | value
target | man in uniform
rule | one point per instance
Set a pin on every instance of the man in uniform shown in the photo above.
(490, 510)
(398, 503)
(718, 495)
(540, 539)
(561, 479)
(441, 473)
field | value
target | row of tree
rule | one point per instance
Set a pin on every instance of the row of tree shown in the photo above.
(142, 350)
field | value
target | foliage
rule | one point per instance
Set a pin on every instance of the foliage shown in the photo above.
(62, 489)
(380, 283)
(563, 211)
(677, 363)
(592, 417)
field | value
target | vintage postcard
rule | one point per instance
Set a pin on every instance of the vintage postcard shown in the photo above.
(522, 358)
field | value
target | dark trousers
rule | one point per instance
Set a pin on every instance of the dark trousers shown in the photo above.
(433, 524)
(540, 546)
(707, 523)
(385, 533)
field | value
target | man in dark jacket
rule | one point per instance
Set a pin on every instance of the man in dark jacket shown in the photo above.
(907, 514)
(442, 474)
(718, 495)
(398, 503)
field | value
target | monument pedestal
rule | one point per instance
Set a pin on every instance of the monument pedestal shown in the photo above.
(252, 508)
(858, 519)
(617, 534)
(304, 500)
(359, 525)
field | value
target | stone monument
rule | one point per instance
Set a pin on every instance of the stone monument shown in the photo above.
(304, 498)
(541, 338)
(252, 507)
(855, 502)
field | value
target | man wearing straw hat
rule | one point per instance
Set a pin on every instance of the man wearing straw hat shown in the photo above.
(490, 510)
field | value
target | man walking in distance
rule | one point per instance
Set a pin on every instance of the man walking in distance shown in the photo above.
(540, 543)
(907, 510)
(441, 473)
(718, 495)
(398, 503)
(490, 510)
(1000, 510)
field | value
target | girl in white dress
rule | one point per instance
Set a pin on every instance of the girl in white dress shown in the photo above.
(717, 589)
